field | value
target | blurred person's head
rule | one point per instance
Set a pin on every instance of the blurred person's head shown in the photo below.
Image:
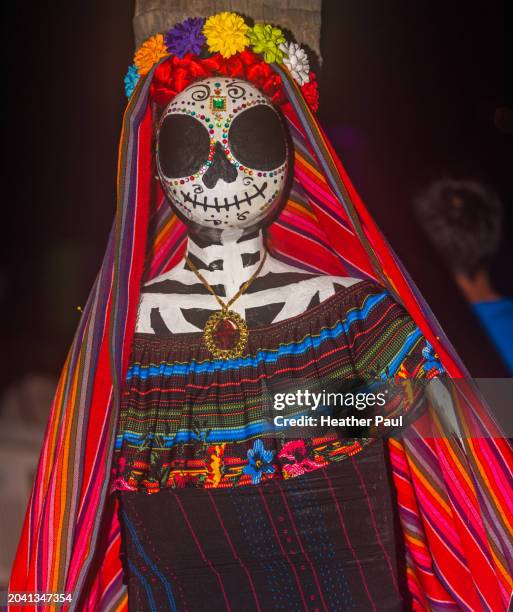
(463, 220)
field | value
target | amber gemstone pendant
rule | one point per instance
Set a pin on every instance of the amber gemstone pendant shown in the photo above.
(226, 334)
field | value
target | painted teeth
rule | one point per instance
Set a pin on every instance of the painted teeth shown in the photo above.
(259, 191)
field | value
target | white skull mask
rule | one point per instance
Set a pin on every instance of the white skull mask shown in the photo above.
(222, 154)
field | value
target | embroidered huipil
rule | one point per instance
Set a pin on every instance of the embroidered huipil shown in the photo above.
(188, 420)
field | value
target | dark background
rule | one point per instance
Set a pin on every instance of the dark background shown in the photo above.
(409, 92)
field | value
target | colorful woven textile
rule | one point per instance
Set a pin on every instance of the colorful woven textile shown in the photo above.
(189, 420)
(323, 541)
(455, 501)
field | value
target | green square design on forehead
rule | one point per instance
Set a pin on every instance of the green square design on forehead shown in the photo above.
(218, 103)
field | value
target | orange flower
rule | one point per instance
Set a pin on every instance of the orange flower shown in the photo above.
(149, 53)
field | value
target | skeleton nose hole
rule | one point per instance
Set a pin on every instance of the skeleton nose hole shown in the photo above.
(220, 168)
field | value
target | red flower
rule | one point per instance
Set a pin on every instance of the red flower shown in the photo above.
(174, 75)
(310, 91)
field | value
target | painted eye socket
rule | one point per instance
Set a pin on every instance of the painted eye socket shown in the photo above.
(257, 138)
(183, 146)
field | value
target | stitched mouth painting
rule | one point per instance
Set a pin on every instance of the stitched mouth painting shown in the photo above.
(225, 204)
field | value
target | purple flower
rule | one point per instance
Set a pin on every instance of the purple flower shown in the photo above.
(186, 37)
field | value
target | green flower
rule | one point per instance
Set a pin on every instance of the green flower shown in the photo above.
(266, 40)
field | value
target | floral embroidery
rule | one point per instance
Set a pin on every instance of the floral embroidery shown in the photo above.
(210, 468)
(295, 459)
(121, 484)
(215, 466)
(259, 462)
(432, 358)
(185, 480)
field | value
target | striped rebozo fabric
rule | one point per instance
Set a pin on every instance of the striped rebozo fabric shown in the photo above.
(455, 495)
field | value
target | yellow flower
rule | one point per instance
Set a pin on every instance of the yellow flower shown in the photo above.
(226, 34)
(149, 53)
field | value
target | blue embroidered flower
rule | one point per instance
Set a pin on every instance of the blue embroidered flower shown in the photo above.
(259, 462)
(432, 359)
(131, 79)
(186, 37)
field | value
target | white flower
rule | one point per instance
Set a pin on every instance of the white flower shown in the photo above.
(296, 61)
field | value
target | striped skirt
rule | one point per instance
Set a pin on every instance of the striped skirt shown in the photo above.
(325, 540)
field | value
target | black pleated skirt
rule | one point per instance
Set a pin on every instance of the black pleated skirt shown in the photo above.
(321, 541)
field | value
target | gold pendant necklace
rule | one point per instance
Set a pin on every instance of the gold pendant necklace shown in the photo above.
(225, 322)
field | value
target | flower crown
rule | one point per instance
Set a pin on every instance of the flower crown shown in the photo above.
(223, 44)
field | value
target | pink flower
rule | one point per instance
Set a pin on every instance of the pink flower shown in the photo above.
(295, 460)
(120, 484)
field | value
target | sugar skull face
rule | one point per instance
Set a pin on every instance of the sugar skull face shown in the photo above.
(222, 154)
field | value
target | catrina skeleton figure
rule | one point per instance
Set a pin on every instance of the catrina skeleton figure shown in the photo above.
(243, 276)
(222, 158)
(223, 153)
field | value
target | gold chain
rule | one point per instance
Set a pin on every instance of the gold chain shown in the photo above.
(241, 291)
